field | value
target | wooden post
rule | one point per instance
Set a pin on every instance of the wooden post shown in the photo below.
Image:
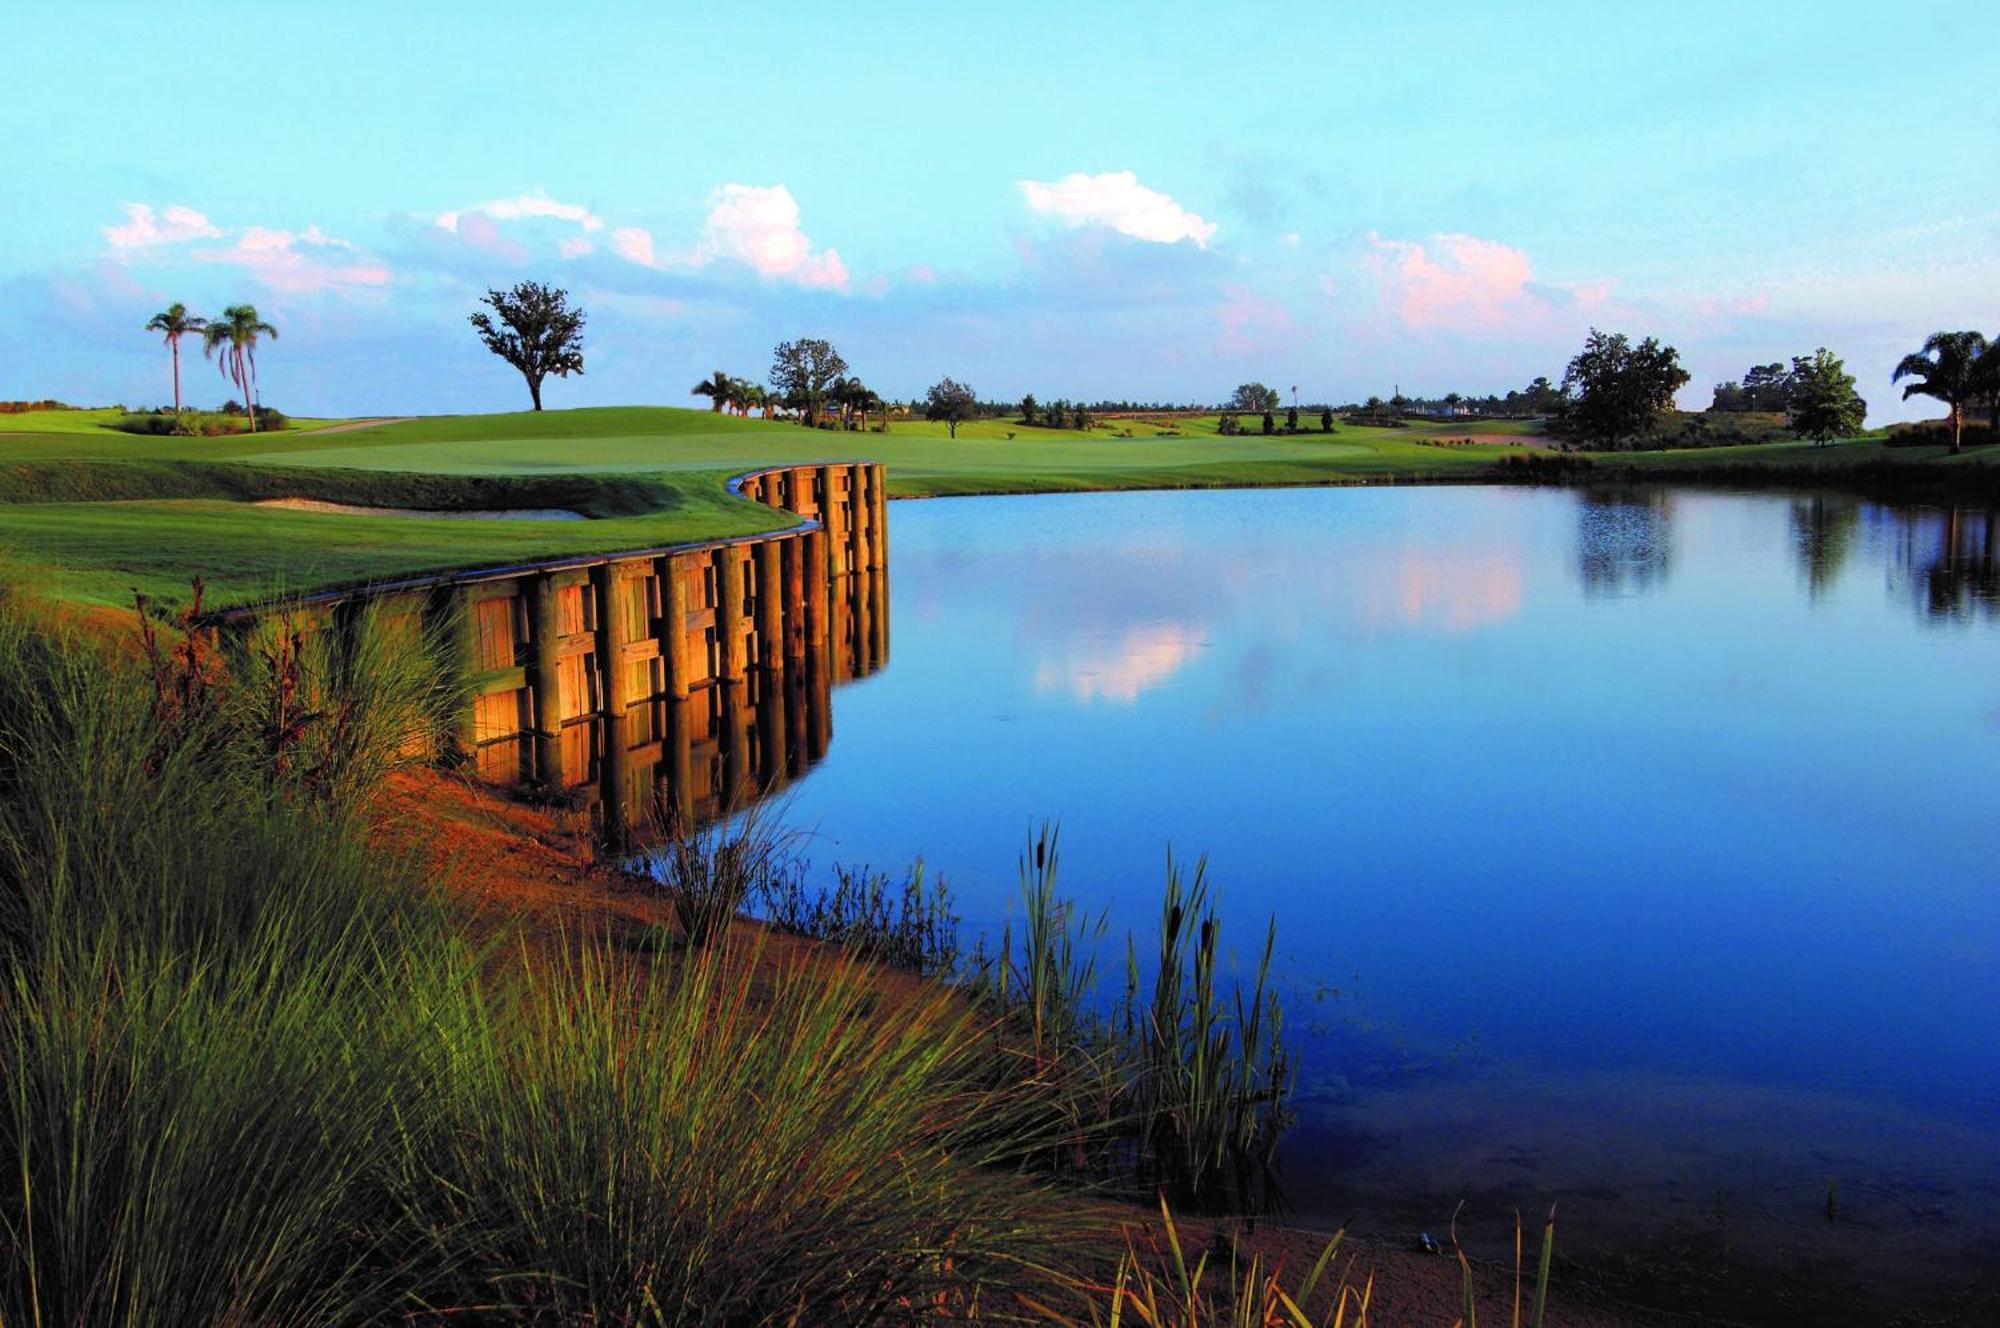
(818, 627)
(454, 607)
(729, 611)
(858, 514)
(676, 800)
(544, 678)
(833, 516)
(611, 590)
(770, 605)
(878, 517)
(674, 625)
(795, 599)
(878, 617)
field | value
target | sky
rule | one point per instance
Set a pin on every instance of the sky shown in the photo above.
(1150, 201)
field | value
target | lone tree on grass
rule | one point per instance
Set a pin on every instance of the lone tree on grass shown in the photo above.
(538, 333)
(1947, 368)
(1326, 420)
(803, 370)
(1254, 399)
(175, 322)
(1820, 400)
(1620, 388)
(1031, 410)
(235, 334)
(951, 402)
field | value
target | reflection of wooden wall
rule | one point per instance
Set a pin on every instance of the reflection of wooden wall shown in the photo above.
(693, 679)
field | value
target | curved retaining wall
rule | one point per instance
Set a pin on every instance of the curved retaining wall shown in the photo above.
(678, 680)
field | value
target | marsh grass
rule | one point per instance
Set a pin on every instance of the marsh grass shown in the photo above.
(1160, 1283)
(250, 1072)
(1185, 1095)
(908, 924)
(698, 1149)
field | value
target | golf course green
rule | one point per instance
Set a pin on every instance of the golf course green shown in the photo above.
(90, 514)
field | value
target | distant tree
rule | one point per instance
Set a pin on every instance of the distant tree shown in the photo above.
(1270, 425)
(1620, 389)
(803, 370)
(1326, 420)
(1821, 402)
(1986, 373)
(1254, 398)
(716, 387)
(1764, 388)
(1947, 368)
(753, 396)
(1374, 405)
(1399, 403)
(235, 334)
(1080, 418)
(537, 332)
(855, 400)
(951, 402)
(175, 322)
(1030, 409)
(1452, 401)
(1292, 420)
(1542, 397)
(1228, 426)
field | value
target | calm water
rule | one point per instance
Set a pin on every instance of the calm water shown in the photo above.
(1636, 850)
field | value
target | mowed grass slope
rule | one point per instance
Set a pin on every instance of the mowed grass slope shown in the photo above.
(91, 514)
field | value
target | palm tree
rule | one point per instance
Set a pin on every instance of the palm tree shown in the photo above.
(754, 396)
(1946, 368)
(176, 322)
(716, 387)
(236, 335)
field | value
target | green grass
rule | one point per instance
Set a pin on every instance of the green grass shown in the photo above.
(251, 1072)
(98, 421)
(97, 512)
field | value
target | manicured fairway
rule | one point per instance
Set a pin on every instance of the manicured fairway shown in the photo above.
(88, 513)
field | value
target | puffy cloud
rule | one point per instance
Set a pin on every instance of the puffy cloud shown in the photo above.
(144, 230)
(305, 262)
(634, 244)
(758, 226)
(523, 206)
(1117, 200)
(573, 246)
(1456, 280)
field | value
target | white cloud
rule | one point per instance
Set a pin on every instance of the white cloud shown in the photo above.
(634, 244)
(523, 206)
(1116, 199)
(573, 246)
(298, 263)
(1456, 280)
(143, 229)
(758, 225)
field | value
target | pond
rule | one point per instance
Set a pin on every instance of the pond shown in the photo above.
(1633, 849)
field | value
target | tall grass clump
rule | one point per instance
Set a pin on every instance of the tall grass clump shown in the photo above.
(1211, 1091)
(712, 872)
(249, 1073)
(1159, 1284)
(207, 974)
(908, 924)
(692, 1148)
(1186, 1094)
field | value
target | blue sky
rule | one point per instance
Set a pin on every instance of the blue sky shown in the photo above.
(1132, 200)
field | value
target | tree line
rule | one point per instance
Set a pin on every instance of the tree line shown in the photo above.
(1612, 391)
